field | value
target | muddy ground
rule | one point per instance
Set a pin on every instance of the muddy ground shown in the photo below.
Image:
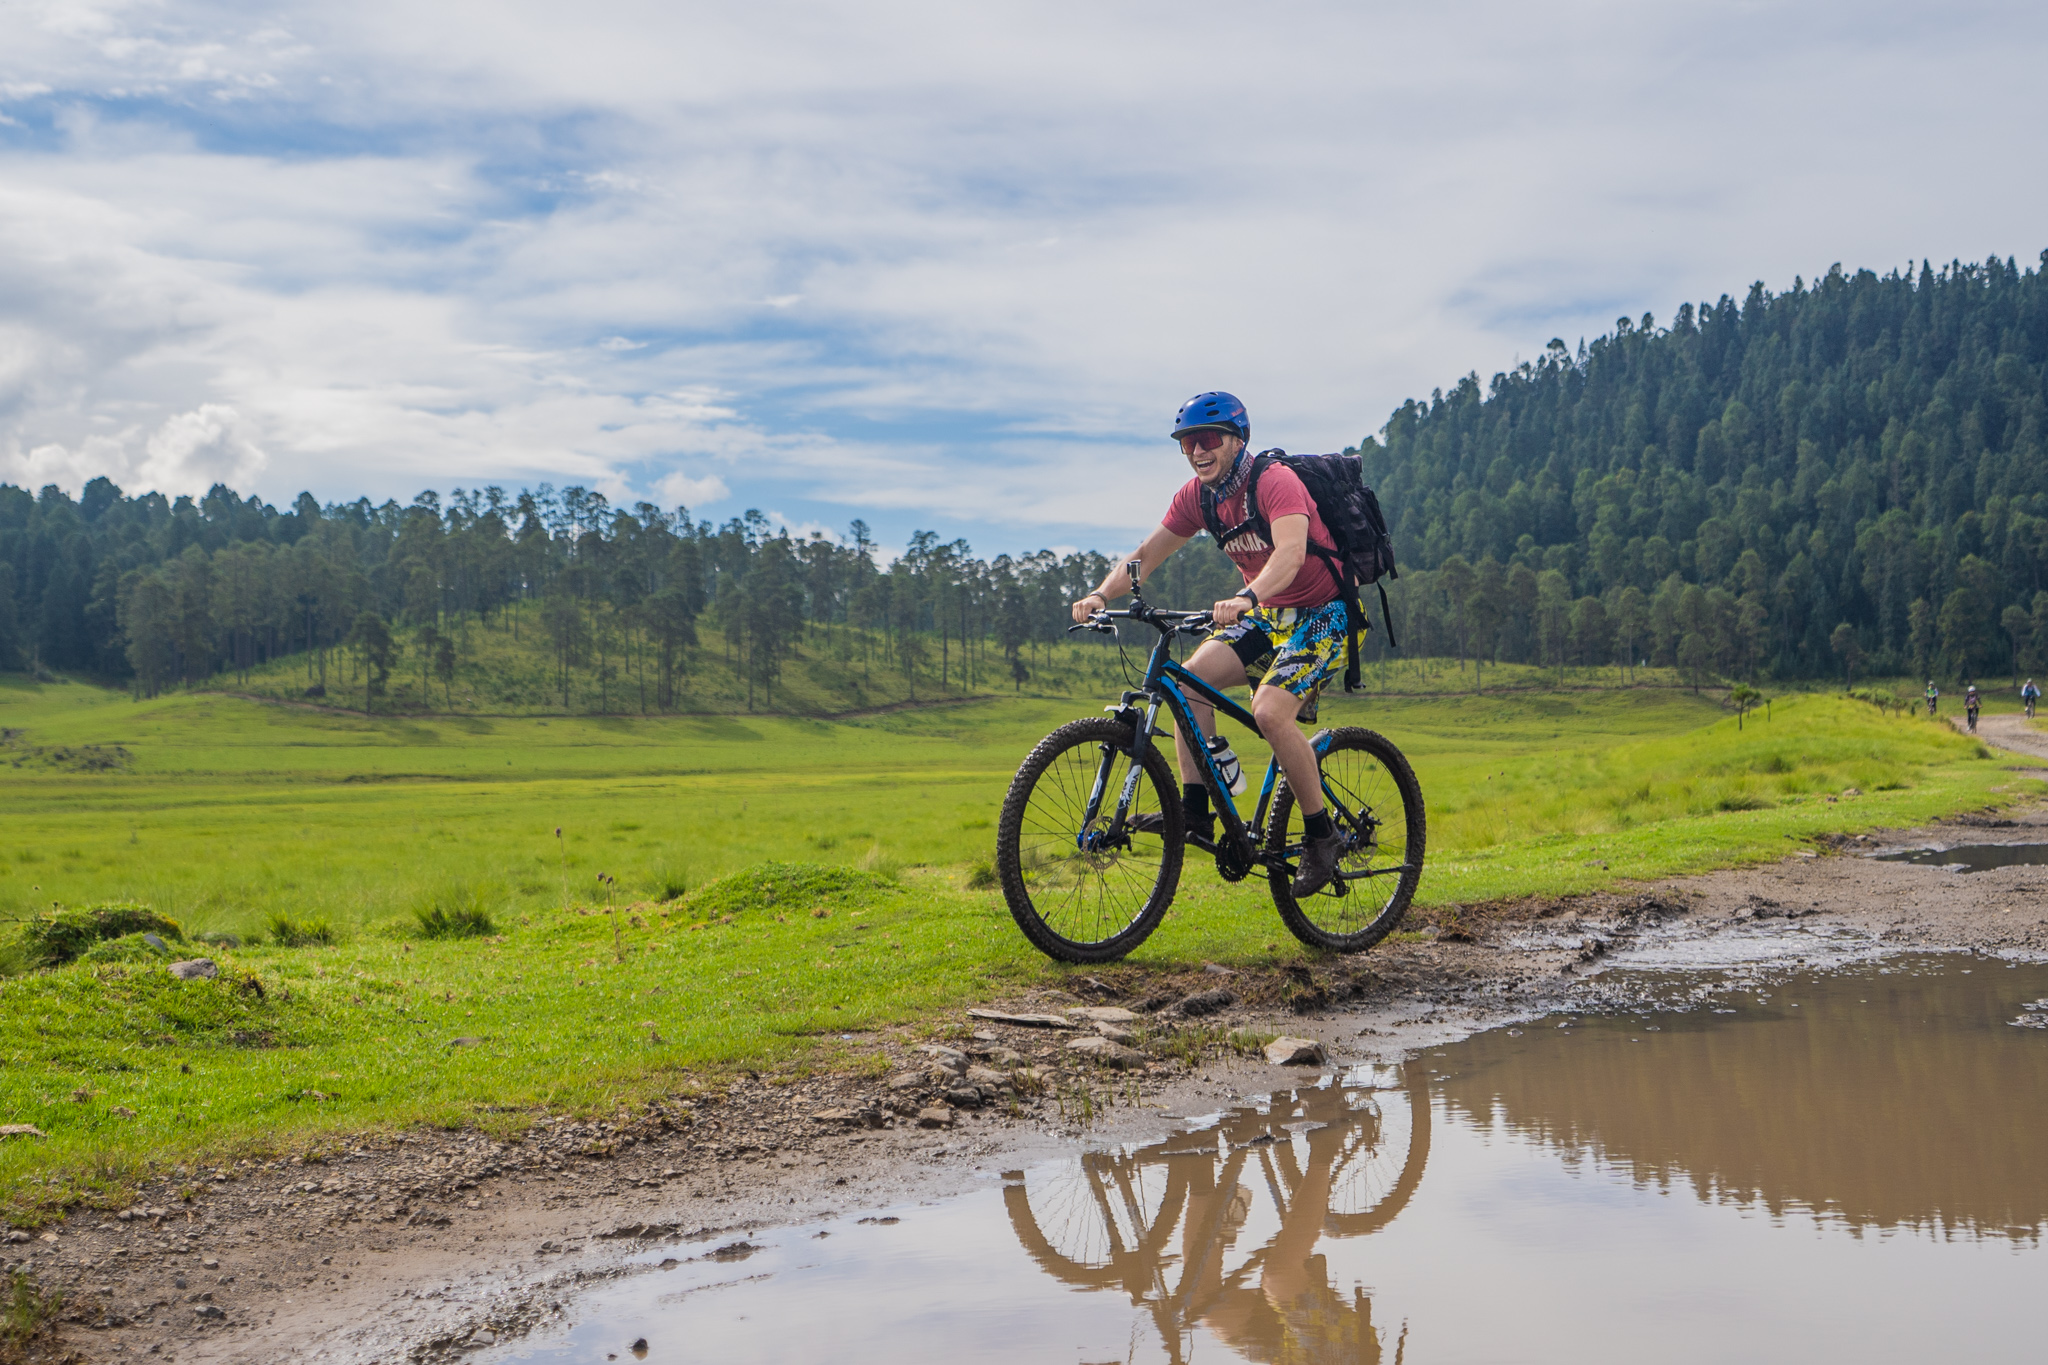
(432, 1245)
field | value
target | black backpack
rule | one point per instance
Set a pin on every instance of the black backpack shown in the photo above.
(1363, 554)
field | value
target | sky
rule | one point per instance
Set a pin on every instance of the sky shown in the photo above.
(936, 266)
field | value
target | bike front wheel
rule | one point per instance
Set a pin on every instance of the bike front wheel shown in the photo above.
(1372, 795)
(1080, 892)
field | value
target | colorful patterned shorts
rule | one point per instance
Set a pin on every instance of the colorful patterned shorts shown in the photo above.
(1296, 647)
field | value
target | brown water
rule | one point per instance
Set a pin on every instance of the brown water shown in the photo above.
(1972, 857)
(1804, 1167)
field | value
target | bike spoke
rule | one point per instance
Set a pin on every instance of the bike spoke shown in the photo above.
(1082, 886)
(1376, 872)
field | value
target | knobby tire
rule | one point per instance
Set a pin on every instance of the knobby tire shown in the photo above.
(1371, 777)
(1073, 904)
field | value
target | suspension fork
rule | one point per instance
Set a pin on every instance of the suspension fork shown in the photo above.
(1141, 744)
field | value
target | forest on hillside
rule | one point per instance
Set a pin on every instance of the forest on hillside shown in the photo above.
(1845, 476)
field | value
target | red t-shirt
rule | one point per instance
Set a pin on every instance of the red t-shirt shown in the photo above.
(1281, 494)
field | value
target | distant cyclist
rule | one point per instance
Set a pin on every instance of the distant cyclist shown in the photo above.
(1933, 696)
(1284, 630)
(2030, 694)
(1971, 702)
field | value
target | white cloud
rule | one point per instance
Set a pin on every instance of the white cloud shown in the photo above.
(679, 489)
(429, 245)
(211, 444)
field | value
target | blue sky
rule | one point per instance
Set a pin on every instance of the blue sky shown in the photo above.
(931, 265)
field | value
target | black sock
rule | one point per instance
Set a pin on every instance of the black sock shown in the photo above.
(1318, 825)
(1194, 804)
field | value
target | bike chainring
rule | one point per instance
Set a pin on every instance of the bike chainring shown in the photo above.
(1233, 859)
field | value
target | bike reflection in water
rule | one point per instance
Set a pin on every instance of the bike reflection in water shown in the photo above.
(1163, 1223)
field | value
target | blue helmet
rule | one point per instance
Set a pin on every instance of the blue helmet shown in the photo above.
(1219, 410)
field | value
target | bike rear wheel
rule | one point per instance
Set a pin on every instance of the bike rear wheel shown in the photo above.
(1378, 811)
(1079, 893)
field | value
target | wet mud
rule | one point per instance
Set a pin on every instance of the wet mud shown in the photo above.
(1852, 1156)
(443, 1245)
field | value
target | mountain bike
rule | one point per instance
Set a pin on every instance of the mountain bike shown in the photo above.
(1085, 886)
(2030, 707)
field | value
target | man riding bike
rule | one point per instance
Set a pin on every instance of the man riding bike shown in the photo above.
(1283, 632)
(2030, 694)
(1933, 696)
(1970, 704)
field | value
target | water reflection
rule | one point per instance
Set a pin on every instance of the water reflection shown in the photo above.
(1888, 1098)
(1884, 1098)
(1171, 1224)
(1972, 857)
(1851, 1166)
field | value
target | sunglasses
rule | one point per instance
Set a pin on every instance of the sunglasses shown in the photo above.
(1201, 440)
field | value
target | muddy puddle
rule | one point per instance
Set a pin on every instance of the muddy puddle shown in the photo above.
(1750, 1164)
(1971, 857)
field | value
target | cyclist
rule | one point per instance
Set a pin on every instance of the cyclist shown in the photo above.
(1283, 632)
(2030, 694)
(1970, 704)
(1933, 696)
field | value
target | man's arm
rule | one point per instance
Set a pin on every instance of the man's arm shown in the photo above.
(1154, 552)
(1290, 549)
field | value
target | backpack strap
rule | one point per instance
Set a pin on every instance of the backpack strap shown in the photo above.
(1340, 569)
(1212, 508)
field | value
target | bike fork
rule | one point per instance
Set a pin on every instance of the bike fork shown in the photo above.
(1140, 742)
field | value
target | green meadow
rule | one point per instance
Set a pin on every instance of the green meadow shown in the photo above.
(779, 887)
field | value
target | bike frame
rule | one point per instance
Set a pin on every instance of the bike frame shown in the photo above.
(1171, 687)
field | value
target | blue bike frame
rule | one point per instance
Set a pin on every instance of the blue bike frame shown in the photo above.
(1167, 684)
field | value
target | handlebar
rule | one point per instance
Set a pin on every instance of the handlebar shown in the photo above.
(1165, 622)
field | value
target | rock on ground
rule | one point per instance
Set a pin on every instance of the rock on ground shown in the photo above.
(1295, 1052)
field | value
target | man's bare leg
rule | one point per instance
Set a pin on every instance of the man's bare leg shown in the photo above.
(1274, 708)
(1216, 664)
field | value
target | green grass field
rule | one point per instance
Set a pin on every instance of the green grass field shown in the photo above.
(224, 813)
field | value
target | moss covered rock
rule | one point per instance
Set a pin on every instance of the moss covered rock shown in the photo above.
(66, 935)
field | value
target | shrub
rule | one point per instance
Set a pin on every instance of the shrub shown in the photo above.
(461, 921)
(981, 876)
(65, 935)
(287, 932)
(28, 1316)
(456, 909)
(668, 883)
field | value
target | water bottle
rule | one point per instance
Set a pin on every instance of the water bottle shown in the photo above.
(1227, 765)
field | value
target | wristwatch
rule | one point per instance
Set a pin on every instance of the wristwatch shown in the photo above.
(1248, 594)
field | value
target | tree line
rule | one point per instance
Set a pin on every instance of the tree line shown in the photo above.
(1845, 477)
(161, 591)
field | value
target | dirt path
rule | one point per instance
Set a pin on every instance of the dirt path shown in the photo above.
(2014, 732)
(432, 1244)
